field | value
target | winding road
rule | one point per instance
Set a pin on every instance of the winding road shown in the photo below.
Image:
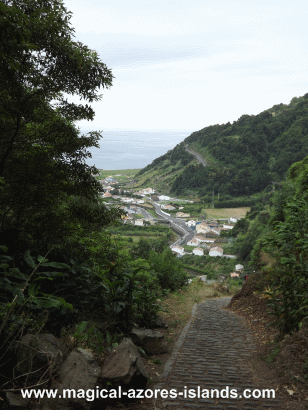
(178, 224)
(196, 155)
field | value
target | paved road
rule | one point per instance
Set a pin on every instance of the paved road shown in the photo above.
(213, 352)
(196, 155)
(145, 213)
(187, 233)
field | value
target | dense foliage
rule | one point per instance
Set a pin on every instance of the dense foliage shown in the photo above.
(244, 157)
(46, 184)
(177, 156)
(273, 239)
(58, 264)
(208, 265)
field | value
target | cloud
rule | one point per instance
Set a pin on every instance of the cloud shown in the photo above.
(181, 64)
(178, 19)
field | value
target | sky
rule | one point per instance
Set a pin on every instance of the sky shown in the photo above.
(188, 64)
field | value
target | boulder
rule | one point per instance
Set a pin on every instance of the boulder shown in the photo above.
(203, 278)
(150, 340)
(124, 367)
(42, 354)
(161, 322)
(79, 372)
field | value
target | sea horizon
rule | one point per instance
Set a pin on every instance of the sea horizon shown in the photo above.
(132, 149)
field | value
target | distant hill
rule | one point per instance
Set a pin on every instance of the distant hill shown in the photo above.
(243, 158)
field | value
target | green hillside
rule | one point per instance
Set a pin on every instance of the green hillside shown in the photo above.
(272, 240)
(243, 158)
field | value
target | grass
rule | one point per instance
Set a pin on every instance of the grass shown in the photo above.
(179, 305)
(112, 172)
(223, 213)
(136, 238)
(147, 205)
(152, 212)
(157, 361)
(271, 357)
(189, 248)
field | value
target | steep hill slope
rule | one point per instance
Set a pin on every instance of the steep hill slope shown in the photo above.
(242, 158)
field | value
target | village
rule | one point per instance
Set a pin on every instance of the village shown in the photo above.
(202, 237)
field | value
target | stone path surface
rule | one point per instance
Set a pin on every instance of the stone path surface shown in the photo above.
(212, 352)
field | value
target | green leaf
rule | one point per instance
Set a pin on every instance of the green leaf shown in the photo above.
(56, 265)
(81, 327)
(20, 295)
(108, 338)
(15, 273)
(44, 303)
(64, 303)
(41, 259)
(6, 257)
(142, 352)
(28, 258)
(32, 290)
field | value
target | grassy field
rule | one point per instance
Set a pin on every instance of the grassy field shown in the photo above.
(135, 237)
(226, 212)
(124, 173)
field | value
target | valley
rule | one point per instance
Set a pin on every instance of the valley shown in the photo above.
(196, 234)
(196, 258)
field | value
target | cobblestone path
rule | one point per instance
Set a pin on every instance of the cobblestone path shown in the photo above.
(212, 352)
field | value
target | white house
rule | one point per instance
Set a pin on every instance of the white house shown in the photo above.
(232, 220)
(228, 226)
(178, 249)
(140, 193)
(239, 267)
(164, 198)
(198, 251)
(126, 199)
(212, 232)
(169, 207)
(209, 240)
(200, 238)
(139, 222)
(202, 228)
(148, 191)
(193, 242)
(216, 251)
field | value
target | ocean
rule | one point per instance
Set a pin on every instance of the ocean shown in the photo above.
(132, 149)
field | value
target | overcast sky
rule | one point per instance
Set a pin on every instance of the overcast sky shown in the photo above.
(188, 64)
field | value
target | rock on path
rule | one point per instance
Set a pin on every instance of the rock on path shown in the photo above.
(213, 352)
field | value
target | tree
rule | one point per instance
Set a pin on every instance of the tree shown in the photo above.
(44, 180)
